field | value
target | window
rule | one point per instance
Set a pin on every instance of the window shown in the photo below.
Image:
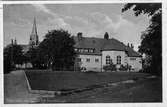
(118, 59)
(87, 59)
(81, 50)
(79, 59)
(86, 50)
(132, 58)
(91, 50)
(107, 59)
(96, 60)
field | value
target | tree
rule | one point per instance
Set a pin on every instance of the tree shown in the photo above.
(151, 44)
(58, 49)
(34, 57)
(12, 55)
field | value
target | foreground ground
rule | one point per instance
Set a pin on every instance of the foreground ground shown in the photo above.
(16, 90)
(147, 90)
(54, 81)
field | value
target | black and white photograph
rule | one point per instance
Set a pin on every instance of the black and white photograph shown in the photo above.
(82, 53)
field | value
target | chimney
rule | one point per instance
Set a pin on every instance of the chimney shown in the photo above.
(12, 41)
(106, 36)
(79, 35)
(132, 46)
(128, 45)
(15, 41)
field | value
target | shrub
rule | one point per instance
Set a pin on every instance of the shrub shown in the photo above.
(90, 71)
(110, 67)
(123, 68)
(8, 67)
(141, 70)
(83, 69)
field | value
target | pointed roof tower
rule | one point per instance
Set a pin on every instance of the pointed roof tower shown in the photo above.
(34, 35)
(34, 28)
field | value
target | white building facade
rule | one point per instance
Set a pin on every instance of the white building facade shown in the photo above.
(95, 53)
(90, 62)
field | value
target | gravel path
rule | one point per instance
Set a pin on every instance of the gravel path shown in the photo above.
(16, 90)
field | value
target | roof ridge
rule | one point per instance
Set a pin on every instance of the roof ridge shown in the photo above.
(96, 38)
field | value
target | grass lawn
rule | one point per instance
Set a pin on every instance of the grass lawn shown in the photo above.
(148, 90)
(142, 91)
(54, 81)
(145, 91)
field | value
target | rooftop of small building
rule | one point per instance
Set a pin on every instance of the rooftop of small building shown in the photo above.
(103, 44)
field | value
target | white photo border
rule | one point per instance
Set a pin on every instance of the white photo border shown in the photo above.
(164, 55)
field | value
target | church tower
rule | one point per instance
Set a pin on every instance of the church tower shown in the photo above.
(34, 36)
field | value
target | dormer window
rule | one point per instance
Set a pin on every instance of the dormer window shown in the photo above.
(132, 58)
(91, 50)
(85, 50)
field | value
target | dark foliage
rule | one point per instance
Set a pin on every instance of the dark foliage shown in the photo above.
(7, 65)
(57, 50)
(12, 55)
(145, 8)
(151, 44)
(124, 68)
(35, 57)
(110, 67)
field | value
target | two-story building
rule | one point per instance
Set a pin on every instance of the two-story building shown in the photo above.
(94, 53)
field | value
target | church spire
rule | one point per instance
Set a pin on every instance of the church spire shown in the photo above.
(34, 28)
(34, 35)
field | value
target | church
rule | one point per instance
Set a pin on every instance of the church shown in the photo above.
(34, 40)
(95, 53)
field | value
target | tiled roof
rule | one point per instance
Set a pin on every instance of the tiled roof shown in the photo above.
(100, 44)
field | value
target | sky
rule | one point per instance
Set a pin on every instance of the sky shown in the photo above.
(93, 20)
